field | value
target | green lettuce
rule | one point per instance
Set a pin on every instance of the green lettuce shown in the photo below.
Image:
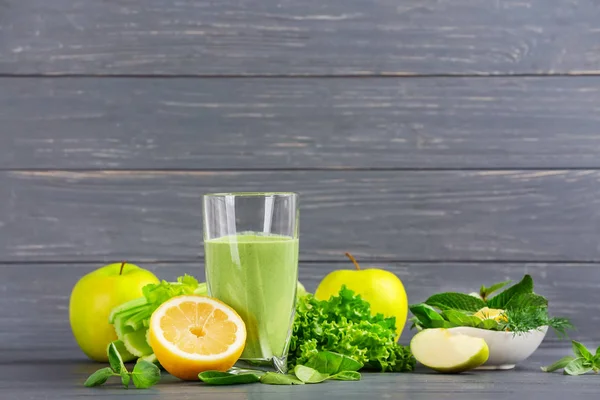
(344, 324)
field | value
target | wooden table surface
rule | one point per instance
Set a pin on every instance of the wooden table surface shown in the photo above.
(63, 379)
(454, 142)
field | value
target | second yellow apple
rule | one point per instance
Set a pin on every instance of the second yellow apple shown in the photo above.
(382, 289)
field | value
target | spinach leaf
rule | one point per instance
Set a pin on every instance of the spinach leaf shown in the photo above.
(328, 362)
(309, 375)
(461, 319)
(227, 378)
(346, 376)
(273, 378)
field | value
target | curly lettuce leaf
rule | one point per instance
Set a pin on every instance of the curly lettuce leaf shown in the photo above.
(344, 324)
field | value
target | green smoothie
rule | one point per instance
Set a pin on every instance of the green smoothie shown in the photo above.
(256, 274)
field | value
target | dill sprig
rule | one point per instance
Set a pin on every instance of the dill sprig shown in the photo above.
(522, 320)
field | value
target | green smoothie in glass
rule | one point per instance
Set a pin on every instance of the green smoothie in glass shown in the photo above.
(256, 274)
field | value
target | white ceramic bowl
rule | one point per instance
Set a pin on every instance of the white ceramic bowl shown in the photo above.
(506, 348)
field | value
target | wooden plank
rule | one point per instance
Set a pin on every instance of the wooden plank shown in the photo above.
(64, 380)
(34, 296)
(312, 37)
(408, 215)
(300, 123)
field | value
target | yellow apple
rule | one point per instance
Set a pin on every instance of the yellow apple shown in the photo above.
(95, 295)
(381, 288)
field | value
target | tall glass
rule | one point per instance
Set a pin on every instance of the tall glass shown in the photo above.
(251, 254)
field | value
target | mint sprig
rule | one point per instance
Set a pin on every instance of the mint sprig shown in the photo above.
(582, 363)
(144, 375)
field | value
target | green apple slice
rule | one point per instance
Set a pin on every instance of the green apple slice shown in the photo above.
(443, 351)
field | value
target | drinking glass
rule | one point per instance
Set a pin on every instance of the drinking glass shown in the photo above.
(251, 259)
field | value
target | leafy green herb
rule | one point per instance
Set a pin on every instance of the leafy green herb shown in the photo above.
(328, 362)
(579, 366)
(560, 364)
(145, 374)
(125, 378)
(114, 359)
(522, 310)
(100, 377)
(455, 301)
(583, 362)
(227, 378)
(501, 300)
(273, 378)
(346, 376)
(344, 324)
(522, 320)
(309, 375)
(485, 292)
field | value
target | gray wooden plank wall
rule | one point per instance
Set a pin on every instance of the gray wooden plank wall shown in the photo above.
(455, 142)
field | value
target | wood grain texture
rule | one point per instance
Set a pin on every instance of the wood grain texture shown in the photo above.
(64, 380)
(34, 296)
(407, 215)
(287, 37)
(300, 123)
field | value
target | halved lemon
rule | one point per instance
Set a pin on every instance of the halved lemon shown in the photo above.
(191, 334)
(491, 313)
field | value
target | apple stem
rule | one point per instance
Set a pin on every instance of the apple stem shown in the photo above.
(122, 266)
(353, 261)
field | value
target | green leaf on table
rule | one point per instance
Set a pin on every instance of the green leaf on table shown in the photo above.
(489, 324)
(99, 377)
(461, 319)
(455, 301)
(273, 378)
(309, 375)
(425, 314)
(328, 362)
(346, 376)
(581, 351)
(227, 378)
(579, 366)
(145, 374)
(114, 359)
(485, 292)
(563, 362)
(502, 299)
(526, 300)
(125, 378)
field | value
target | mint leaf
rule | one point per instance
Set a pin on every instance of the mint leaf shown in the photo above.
(346, 376)
(114, 359)
(309, 375)
(273, 378)
(330, 363)
(484, 292)
(502, 299)
(99, 377)
(455, 301)
(579, 366)
(563, 362)
(125, 379)
(526, 300)
(226, 378)
(145, 374)
(461, 319)
(581, 351)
